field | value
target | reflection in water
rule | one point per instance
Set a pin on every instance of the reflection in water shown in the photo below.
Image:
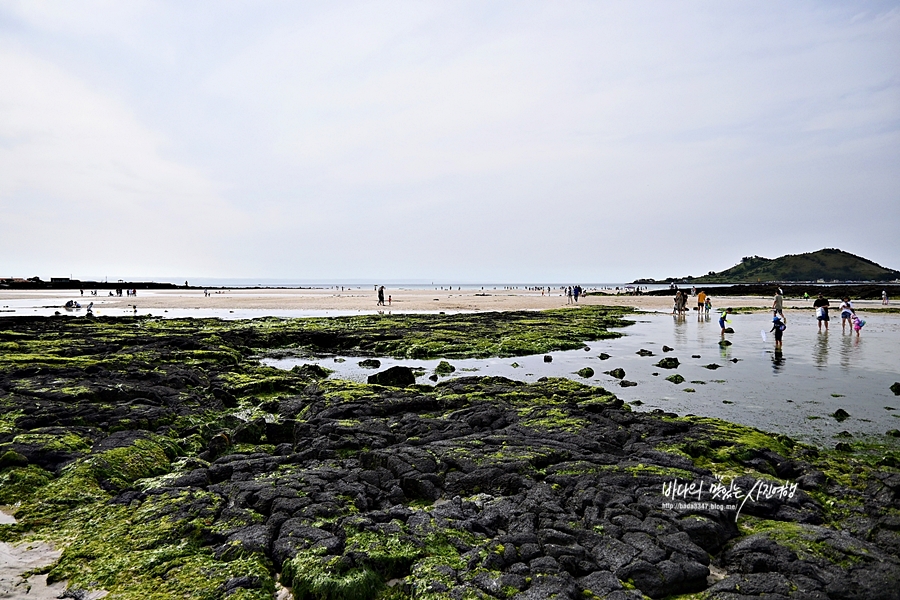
(724, 352)
(846, 351)
(820, 350)
(681, 330)
(850, 352)
(777, 362)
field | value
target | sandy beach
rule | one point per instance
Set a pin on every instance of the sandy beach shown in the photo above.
(359, 299)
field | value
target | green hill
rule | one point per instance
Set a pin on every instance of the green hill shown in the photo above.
(829, 264)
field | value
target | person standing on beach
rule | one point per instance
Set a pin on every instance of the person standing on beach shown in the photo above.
(884, 299)
(778, 305)
(701, 303)
(847, 314)
(678, 302)
(821, 305)
(380, 296)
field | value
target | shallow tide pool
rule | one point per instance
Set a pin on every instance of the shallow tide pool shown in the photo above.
(795, 392)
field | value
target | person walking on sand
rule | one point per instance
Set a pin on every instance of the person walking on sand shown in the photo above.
(778, 328)
(884, 299)
(778, 305)
(821, 305)
(380, 296)
(847, 314)
(723, 319)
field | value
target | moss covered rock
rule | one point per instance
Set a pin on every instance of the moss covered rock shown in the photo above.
(840, 415)
(668, 363)
(617, 373)
(444, 368)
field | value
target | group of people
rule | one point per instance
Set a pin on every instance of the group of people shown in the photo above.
(74, 305)
(118, 292)
(573, 292)
(849, 318)
(704, 303)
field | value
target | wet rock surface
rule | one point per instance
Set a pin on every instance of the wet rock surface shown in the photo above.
(668, 363)
(168, 464)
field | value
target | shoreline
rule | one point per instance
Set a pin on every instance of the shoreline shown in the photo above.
(15, 302)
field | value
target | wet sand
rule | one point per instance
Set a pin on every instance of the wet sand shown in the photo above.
(365, 299)
(16, 561)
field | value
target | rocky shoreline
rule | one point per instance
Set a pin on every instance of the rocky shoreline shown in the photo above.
(166, 462)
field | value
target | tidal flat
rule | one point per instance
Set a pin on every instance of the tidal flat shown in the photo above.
(796, 391)
(164, 460)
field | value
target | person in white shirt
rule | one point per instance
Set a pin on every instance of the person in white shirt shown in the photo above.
(847, 313)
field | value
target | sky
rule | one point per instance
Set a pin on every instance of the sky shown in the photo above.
(443, 141)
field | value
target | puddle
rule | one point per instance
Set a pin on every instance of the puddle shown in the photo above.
(794, 392)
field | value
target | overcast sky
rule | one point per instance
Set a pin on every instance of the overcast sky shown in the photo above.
(446, 141)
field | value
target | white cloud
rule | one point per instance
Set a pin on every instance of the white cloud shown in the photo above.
(68, 151)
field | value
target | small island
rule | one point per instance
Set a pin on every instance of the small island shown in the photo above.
(828, 265)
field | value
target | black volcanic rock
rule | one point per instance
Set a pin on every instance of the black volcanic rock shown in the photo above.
(398, 376)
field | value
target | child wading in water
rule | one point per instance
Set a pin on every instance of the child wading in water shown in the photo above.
(778, 326)
(723, 318)
(857, 324)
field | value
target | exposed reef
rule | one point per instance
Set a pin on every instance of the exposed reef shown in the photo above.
(166, 462)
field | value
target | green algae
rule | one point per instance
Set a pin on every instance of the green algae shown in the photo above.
(444, 368)
(551, 419)
(67, 442)
(19, 483)
(8, 420)
(378, 558)
(148, 552)
(802, 540)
